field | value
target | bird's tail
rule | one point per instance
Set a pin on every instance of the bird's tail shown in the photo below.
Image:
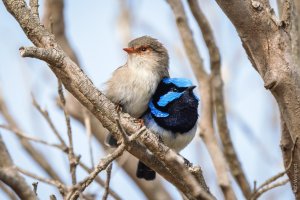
(143, 171)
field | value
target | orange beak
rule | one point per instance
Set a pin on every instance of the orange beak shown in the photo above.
(129, 50)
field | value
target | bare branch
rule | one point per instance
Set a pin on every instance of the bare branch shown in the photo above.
(108, 172)
(48, 55)
(34, 5)
(104, 162)
(87, 124)
(46, 116)
(53, 19)
(187, 38)
(10, 193)
(100, 181)
(275, 56)
(76, 82)
(10, 176)
(72, 159)
(269, 187)
(127, 161)
(27, 137)
(206, 124)
(33, 152)
(61, 187)
(217, 86)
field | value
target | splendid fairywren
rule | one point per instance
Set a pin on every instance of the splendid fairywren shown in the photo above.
(133, 84)
(172, 115)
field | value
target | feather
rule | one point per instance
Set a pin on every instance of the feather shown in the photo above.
(179, 82)
(156, 112)
(169, 97)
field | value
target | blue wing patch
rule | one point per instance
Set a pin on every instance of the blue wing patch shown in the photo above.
(156, 112)
(169, 97)
(179, 82)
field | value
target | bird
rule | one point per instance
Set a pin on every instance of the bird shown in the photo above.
(132, 85)
(172, 114)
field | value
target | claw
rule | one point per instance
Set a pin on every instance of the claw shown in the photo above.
(118, 107)
(140, 121)
(187, 163)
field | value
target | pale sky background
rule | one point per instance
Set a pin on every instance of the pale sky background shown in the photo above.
(92, 28)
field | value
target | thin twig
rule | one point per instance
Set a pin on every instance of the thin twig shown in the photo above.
(72, 159)
(36, 155)
(108, 172)
(62, 188)
(274, 178)
(100, 181)
(88, 127)
(269, 187)
(27, 137)
(104, 162)
(46, 116)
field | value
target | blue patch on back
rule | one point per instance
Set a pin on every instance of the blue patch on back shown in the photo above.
(156, 112)
(169, 97)
(179, 82)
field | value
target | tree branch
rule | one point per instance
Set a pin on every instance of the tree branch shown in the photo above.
(10, 193)
(75, 108)
(206, 123)
(37, 156)
(10, 176)
(217, 86)
(73, 161)
(108, 176)
(76, 82)
(272, 52)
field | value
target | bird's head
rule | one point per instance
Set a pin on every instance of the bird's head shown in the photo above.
(147, 52)
(172, 95)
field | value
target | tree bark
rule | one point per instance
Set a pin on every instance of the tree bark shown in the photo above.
(163, 160)
(53, 19)
(269, 43)
(10, 176)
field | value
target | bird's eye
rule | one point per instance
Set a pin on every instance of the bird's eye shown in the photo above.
(143, 49)
(174, 90)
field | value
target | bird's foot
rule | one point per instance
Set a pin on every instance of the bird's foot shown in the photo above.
(186, 161)
(160, 139)
(118, 107)
(140, 122)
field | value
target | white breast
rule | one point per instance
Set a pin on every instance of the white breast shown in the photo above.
(133, 88)
(176, 141)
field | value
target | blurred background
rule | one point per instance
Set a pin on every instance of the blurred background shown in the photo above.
(97, 31)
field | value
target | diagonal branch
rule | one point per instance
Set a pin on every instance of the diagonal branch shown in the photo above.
(33, 152)
(103, 164)
(10, 176)
(77, 83)
(53, 19)
(72, 158)
(274, 52)
(206, 123)
(217, 86)
(10, 193)
(75, 108)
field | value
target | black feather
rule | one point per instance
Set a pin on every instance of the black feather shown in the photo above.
(183, 112)
(143, 171)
